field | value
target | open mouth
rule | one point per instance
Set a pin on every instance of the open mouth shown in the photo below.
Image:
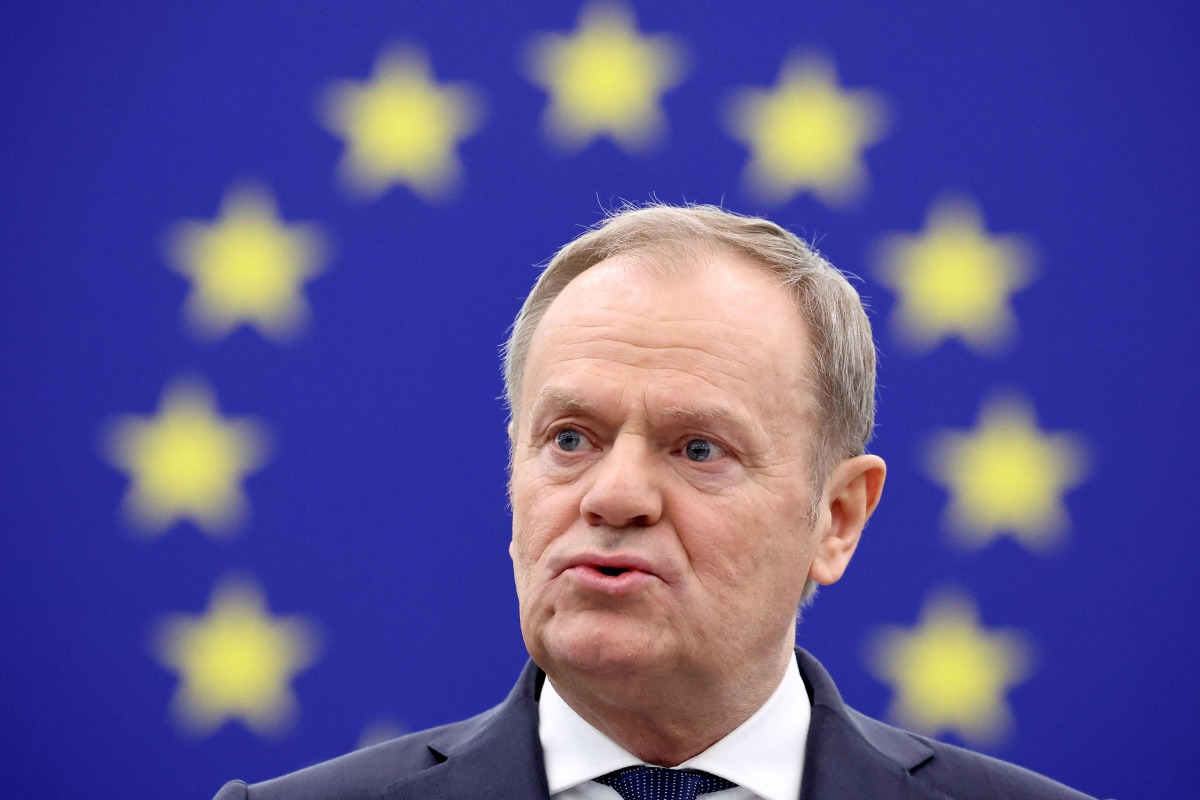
(611, 576)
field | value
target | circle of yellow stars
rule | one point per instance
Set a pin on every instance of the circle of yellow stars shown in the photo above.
(402, 128)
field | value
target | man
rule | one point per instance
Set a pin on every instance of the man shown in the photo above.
(691, 394)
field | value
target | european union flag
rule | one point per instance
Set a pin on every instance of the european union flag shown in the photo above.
(258, 258)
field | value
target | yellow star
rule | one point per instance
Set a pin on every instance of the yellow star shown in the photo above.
(246, 267)
(401, 127)
(235, 661)
(949, 674)
(807, 134)
(605, 80)
(187, 462)
(954, 279)
(1006, 476)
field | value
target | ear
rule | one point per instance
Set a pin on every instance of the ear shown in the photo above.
(849, 498)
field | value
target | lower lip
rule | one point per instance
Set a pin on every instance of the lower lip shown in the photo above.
(627, 582)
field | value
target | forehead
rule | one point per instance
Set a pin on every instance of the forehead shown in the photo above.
(665, 275)
(721, 324)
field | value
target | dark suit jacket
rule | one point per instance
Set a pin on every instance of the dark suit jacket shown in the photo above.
(498, 755)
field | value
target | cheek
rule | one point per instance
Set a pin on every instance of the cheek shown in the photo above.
(716, 551)
(542, 511)
(747, 546)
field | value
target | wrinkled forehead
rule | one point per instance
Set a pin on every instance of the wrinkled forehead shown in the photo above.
(721, 316)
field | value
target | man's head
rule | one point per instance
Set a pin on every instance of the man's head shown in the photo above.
(691, 393)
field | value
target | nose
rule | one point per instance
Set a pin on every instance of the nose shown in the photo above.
(624, 490)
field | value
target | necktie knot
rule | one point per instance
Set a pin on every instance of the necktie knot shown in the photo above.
(659, 783)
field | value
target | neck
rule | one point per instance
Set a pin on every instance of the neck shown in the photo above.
(668, 719)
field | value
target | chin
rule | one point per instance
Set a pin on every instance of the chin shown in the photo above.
(599, 649)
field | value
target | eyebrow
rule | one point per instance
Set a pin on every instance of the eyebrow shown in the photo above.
(707, 414)
(554, 397)
(558, 399)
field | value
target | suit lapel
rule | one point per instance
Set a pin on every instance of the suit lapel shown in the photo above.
(850, 756)
(497, 755)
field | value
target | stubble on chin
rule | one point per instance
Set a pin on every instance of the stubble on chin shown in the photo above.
(583, 646)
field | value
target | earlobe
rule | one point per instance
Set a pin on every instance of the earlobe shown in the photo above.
(850, 497)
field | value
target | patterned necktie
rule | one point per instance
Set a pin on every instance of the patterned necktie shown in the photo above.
(658, 783)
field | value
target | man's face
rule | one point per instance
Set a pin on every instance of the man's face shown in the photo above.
(660, 485)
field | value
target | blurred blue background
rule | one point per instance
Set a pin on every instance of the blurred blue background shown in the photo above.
(371, 548)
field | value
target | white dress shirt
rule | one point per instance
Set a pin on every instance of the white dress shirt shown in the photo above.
(764, 755)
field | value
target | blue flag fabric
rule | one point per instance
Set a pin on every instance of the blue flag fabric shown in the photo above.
(257, 260)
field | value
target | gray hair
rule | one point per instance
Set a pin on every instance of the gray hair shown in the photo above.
(842, 376)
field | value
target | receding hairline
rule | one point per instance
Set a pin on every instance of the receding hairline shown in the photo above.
(682, 258)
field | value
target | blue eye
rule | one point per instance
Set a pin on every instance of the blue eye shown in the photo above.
(569, 439)
(700, 450)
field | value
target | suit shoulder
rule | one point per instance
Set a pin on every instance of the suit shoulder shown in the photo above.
(958, 772)
(988, 777)
(364, 773)
(234, 790)
(931, 770)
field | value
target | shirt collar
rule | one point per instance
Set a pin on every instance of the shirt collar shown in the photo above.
(764, 754)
